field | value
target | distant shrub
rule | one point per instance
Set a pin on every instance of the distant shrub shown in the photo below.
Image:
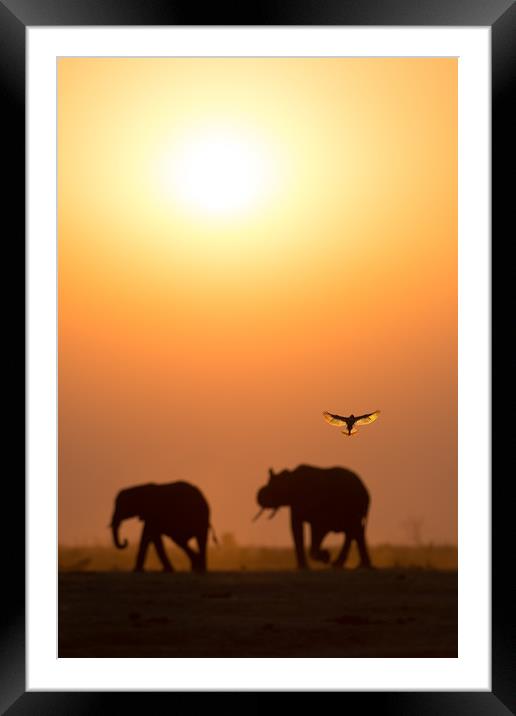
(228, 540)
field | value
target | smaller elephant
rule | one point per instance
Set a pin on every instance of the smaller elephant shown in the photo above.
(329, 499)
(177, 509)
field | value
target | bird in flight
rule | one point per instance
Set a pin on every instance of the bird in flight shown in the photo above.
(350, 421)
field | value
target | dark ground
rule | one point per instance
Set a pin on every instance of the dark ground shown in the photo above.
(345, 613)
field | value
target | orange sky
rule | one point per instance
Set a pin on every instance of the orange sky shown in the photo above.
(204, 345)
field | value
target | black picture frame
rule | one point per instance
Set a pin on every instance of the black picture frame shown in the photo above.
(15, 17)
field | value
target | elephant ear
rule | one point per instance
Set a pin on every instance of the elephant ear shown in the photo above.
(146, 500)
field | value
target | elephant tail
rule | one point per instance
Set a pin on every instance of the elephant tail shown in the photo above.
(214, 536)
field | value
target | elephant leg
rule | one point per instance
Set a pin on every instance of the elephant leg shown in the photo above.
(365, 560)
(316, 553)
(202, 539)
(343, 554)
(192, 554)
(142, 549)
(297, 532)
(160, 549)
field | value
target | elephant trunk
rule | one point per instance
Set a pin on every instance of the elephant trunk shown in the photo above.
(114, 526)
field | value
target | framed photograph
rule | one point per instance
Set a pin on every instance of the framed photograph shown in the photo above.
(258, 255)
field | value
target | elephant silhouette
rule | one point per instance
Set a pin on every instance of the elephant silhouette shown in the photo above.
(178, 510)
(330, 499)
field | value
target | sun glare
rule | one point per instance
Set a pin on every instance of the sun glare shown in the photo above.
(218, 173)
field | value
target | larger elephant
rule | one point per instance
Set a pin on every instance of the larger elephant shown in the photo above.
(329, 500)
(177, 509)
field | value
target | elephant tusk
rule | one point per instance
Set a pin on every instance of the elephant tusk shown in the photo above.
(273, 513)
(257, 514)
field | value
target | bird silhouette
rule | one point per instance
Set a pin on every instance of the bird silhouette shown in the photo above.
(350, 421)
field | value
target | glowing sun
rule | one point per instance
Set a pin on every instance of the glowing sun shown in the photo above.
(219, 172)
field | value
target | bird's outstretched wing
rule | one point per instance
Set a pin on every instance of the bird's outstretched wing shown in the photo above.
(334, 419)
(368, 418)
